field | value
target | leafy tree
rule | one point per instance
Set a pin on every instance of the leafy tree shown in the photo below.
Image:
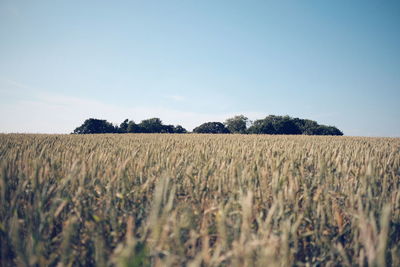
(335, 131)
(168, 129)
(237, 124)
(328, 130)
(123, 127)
(133, 127)
(286, 125)
(211, 127)
(179, 129)
(262, 127)
(153, 125)
(173, 129)
(307, 127)
(93, 126)
(310, 127)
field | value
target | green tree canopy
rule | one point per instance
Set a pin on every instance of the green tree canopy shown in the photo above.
(92, 126)
(133, 127)
(211, 127)
(123, 127)
(286, 125)
(153, 125)
(237, 124)
(179, 129)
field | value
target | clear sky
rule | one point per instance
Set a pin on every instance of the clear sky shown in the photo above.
(188, 62)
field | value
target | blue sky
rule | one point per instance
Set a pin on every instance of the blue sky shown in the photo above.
(187, 62)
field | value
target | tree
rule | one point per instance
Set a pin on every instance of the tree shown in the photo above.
(310, 127)
(286, 125)
(179, 129)
(123, 127)
(307, 127)
(133, 127)
(334, 131)
(237, 124)
(211, 127)
(262, 127)
(168, 129)
(153, 125)
(93, 126)
(328, 130)
(173, 129)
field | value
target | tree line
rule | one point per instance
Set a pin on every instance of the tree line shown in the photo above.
(153, 125)
(239, 124)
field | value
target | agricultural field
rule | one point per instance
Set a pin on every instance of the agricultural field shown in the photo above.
(199, 200)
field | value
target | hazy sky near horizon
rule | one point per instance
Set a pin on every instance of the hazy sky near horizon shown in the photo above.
(188, 62)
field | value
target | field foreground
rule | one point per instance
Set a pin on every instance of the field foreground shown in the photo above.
(199, 200)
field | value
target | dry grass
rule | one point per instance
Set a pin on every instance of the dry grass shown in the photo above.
(199, 200)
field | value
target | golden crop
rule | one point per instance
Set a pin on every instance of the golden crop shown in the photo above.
(199, 200)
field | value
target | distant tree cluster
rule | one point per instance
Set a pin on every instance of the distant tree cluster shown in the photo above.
(238, 124)
(286, 125)
(211, 127)
(269, 125)
(153, 125)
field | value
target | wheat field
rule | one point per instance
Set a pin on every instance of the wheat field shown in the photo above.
(199, 200)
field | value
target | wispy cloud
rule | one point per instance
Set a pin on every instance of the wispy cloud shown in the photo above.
(11, 86)
(56, 113)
